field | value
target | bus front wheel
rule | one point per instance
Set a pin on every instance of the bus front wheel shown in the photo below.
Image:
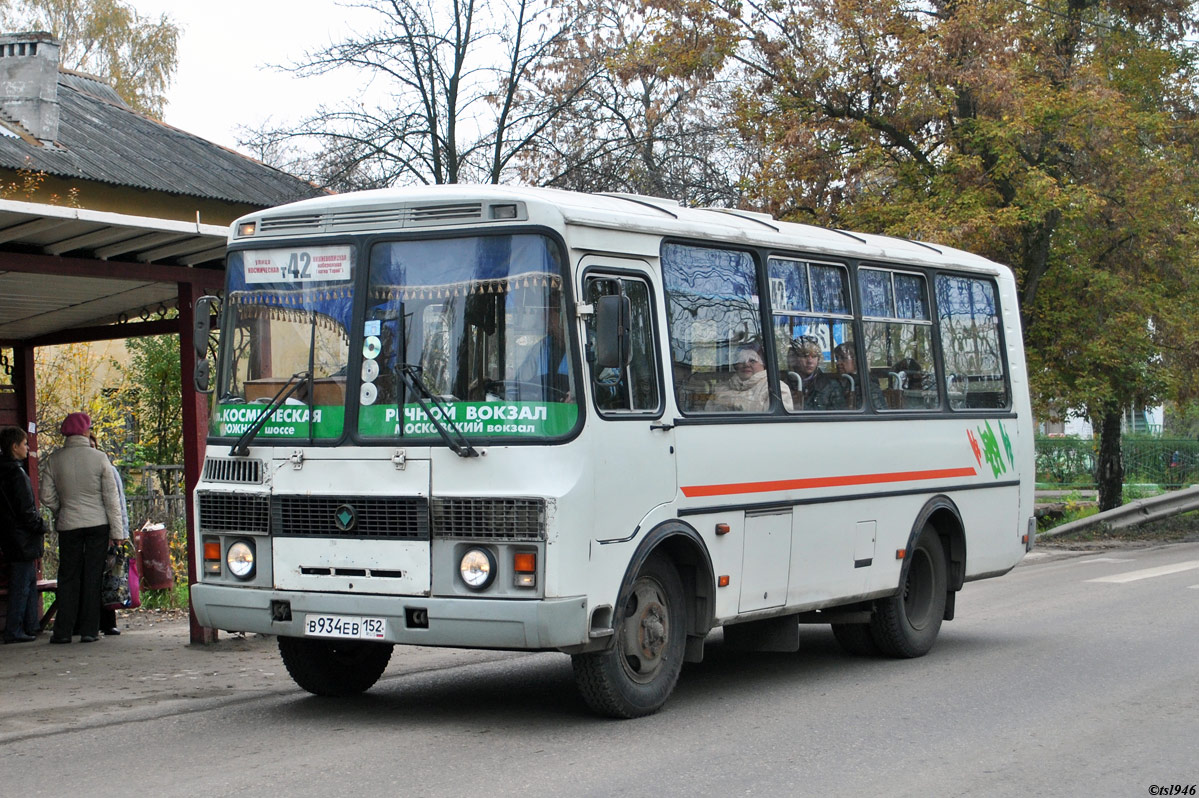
(636, 675)
(334, 667)
(906, 625)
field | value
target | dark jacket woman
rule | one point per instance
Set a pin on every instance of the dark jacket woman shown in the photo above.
(23, 530)
(21, 536)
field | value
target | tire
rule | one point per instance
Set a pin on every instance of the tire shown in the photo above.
(906, 625)
(856, 639)
(636, 675)
(334, 667)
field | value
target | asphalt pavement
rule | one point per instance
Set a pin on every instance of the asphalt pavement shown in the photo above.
(152, 670)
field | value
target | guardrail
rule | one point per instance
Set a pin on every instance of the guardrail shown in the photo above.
(1138, 512)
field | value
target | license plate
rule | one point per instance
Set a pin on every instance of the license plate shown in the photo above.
(346, 626)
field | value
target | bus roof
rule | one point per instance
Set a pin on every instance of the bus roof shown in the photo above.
(460, 204)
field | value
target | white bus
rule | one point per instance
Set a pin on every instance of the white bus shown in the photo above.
(528, 419)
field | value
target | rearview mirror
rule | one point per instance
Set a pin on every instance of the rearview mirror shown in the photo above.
(202, 325)
(613, 346)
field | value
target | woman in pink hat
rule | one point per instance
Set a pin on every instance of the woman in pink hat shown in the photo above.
(79, 486)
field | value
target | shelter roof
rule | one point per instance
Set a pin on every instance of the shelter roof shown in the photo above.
(66, 268)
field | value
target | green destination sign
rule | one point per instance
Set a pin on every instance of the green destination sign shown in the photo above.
(288, 421)
(475, 419)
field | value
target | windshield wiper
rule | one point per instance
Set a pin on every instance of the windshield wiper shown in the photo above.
(240, 447)
(450, 432)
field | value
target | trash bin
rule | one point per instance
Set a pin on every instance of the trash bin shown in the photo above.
(155, 555)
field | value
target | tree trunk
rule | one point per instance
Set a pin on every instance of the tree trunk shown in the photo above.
(1109, 470)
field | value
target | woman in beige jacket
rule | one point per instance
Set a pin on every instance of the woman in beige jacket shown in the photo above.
(79, 486)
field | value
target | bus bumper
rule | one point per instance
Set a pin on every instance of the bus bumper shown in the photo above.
(459, 622)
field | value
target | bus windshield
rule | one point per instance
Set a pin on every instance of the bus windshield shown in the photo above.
(481, 321)
(288, 313)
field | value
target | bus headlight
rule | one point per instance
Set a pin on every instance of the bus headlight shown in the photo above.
(477, 568)
(240, 559)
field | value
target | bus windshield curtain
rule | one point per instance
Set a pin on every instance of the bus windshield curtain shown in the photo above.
(458, 266)
(331, 304)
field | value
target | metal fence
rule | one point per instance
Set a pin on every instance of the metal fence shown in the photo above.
(1070, 462)
(156, 508)
(155, 493)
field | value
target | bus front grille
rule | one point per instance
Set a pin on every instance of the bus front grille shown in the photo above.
(489, 518)
(233, 512)
(233, 469)
(404, 518)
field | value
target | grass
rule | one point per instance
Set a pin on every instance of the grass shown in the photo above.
(1074, 507)
(173, 598)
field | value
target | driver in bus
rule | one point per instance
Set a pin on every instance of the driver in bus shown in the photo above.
(747, 391)
(546, 369)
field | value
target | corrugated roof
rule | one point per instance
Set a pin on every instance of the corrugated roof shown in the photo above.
(62, 268)
(103, 140)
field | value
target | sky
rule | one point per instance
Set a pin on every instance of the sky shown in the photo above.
(224, 81)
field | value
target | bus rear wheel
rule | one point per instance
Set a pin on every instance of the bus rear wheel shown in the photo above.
(334, 667)
(636, 675)
(906, 625)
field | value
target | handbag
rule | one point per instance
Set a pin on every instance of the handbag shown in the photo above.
(120, 588)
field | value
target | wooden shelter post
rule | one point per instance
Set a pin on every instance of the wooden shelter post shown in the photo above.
(195, 433)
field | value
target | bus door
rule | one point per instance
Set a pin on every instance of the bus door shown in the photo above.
(633, 451)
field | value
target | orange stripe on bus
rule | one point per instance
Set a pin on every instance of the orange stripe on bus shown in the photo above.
(694, 491)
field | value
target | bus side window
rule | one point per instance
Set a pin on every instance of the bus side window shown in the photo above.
(975, 367)
(633, 389)
(714, 316)
(811, 312)
(898, 333)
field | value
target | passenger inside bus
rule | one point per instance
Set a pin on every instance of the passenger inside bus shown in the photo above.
(908, 380)
(811, 388)
(747, 391)
(847, 369)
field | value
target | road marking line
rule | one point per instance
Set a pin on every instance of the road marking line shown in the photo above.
(1109, 559)
(1149, 573)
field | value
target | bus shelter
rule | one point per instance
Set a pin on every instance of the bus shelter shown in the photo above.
(71, 275)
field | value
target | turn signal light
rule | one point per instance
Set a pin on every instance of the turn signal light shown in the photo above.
(212, 557)
(524, 563)
(722, 529)
(901, 553)
(722, 580)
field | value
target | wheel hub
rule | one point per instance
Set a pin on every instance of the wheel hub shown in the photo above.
(652, 631)
(646, 631)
